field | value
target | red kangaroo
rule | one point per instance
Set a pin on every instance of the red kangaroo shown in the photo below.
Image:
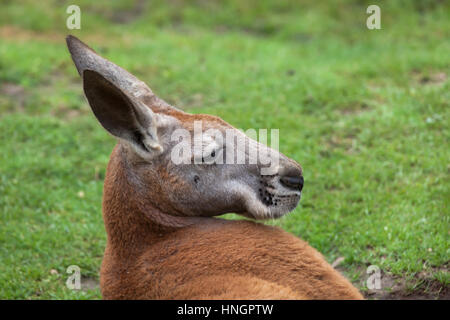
(163, 240)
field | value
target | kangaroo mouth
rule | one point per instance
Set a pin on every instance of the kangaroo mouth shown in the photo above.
(277, 197)
(273, 206)
(271, 198)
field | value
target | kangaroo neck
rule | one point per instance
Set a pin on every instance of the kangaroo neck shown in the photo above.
(131, 220)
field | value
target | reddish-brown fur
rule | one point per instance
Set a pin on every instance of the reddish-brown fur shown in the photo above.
(162, 239)
(210, 259)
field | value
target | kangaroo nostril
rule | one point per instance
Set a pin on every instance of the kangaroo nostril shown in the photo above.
(292, 182)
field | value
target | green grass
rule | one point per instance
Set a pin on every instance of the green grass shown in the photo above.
(364, 112)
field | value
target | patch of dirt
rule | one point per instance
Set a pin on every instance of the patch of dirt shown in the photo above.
(434, 79)
(421, 287)
(64, 111)
(17, 34)
(354, 108)
(14, 94)
(14, 97)
(12, 89)
(397, 289)
(67, 113)
(88, 283)
(122, 16)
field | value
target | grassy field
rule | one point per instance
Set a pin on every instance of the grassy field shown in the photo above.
(366, 113)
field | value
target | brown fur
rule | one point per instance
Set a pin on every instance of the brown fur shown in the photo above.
(209, 259)
(162, 239)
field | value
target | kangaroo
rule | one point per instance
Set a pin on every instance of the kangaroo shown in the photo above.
(164, 240)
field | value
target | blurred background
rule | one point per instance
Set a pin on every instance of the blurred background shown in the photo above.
(364, 111)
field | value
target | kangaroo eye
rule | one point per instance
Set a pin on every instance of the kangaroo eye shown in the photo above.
(210, 156)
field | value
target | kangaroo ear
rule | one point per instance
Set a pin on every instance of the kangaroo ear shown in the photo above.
(123, 116)
(86, 58)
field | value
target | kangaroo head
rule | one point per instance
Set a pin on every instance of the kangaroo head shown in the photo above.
(184, 164)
